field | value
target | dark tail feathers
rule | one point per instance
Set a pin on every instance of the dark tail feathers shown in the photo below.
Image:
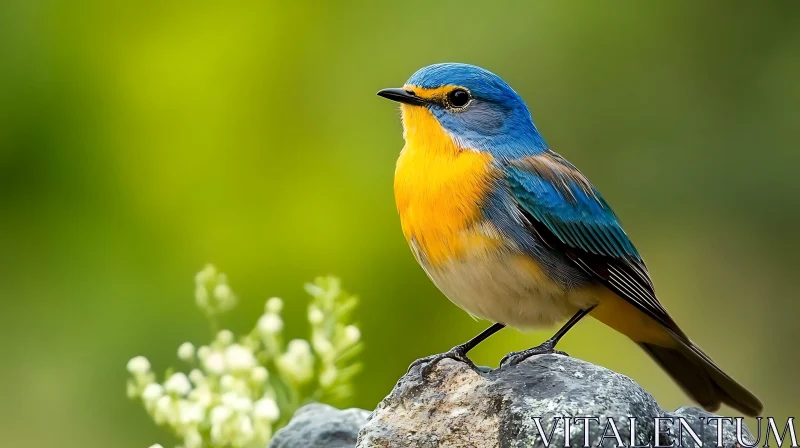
(701, 379)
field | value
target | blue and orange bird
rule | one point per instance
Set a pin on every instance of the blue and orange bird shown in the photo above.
(514, 234)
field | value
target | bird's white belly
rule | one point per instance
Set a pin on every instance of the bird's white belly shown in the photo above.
(509, 288)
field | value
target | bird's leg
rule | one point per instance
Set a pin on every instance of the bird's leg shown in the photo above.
(548, 346)
(459, 352)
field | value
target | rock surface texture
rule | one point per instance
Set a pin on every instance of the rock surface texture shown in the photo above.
(320, 426)
(459, 407)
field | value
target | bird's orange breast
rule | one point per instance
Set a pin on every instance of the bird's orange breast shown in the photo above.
(439, 188)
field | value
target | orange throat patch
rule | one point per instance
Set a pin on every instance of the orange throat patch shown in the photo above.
(439, 188)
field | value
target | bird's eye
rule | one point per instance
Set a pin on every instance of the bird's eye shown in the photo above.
(458, 98)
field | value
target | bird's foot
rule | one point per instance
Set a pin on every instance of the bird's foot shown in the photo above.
(458, 353)
(546, 348)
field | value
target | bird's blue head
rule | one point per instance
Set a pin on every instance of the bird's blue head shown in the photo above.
(475, 107)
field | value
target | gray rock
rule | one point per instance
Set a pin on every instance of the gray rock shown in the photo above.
(320, 426)
(460, 407)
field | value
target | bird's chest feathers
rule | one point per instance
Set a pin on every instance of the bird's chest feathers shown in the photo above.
(439, 189)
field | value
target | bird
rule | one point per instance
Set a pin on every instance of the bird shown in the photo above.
(514, 234)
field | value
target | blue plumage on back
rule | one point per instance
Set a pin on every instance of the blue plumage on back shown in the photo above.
(556, 194)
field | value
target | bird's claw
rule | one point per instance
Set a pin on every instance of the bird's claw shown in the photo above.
(457, 353)
(546, 348)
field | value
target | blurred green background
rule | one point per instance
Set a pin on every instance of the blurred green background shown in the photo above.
(141, 140)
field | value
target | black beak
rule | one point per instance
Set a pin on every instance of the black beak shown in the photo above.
(402, 96)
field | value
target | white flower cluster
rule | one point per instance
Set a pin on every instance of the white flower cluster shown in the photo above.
(225, 400)
(241, 389)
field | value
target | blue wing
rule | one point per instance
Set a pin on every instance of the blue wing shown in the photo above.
(565, 211)
(555, 193)
(568, 214)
